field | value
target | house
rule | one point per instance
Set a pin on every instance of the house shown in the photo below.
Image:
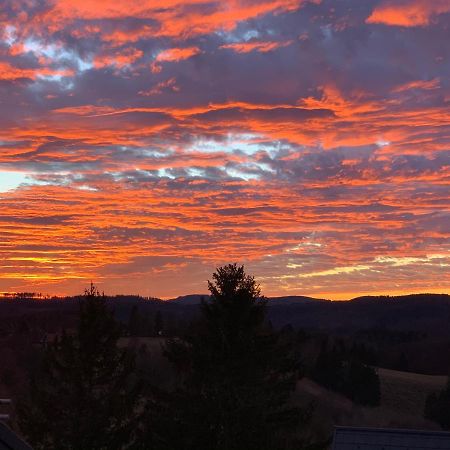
(10, 441)
(350, 438)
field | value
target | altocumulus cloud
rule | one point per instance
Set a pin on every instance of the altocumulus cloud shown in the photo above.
(143, 143)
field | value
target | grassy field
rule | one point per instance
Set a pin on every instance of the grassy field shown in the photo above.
(403, 397)
(406, 392)
(402, 393)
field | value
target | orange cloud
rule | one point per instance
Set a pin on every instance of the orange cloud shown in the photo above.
(173, 55)
(119, 59)
(10, 73)
(174, 18)
(419, 84)
(410, 13)
(331, 164)
(259, 46)
(163, 86)
(53, 235)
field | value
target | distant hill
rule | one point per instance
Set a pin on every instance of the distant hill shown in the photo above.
(191, 299)
(429, 313)
(195, 299)
(400, 298)
(293, 300)
(423, 312)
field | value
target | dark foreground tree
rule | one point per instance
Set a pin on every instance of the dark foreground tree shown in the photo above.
(237, 376)
(362, 384)
(341, 372)
(437, 407)
(84, 396)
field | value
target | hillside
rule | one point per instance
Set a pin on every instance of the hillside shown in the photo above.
(424, 312)
(428, 313)
(406, 392)
(402, 399)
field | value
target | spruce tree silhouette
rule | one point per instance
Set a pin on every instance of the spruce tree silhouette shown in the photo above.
(437, 407)
(83, 397)
(236, 376)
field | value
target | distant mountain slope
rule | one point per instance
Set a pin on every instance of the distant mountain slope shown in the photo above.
(423, 312)
(428, 313)
(191, 299)
(399, 298)
(293, 300)
(195, 299)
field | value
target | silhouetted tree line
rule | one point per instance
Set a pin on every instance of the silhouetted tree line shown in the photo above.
(348, 371)
(235, 376)
(22, 295)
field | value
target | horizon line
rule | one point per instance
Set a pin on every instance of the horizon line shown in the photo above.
(43, 297)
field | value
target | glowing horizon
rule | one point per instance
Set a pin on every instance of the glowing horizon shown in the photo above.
(144, 143)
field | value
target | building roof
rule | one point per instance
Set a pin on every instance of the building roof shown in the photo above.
(350, 438)
(10, 441)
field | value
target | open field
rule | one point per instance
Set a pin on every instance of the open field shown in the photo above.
(403, 397)
(406, 392)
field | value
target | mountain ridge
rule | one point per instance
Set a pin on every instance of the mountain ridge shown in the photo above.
(195, 299)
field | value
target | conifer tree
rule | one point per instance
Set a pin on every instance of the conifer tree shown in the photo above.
(135, 322)
(437, 407)
(84, 396)
(237, 376)
(159, 323)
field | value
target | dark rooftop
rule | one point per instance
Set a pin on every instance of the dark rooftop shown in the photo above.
(349, 438)
(10, 441)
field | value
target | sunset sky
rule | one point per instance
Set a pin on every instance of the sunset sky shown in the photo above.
(145, 142)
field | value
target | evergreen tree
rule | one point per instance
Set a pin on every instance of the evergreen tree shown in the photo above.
(362, 384)
(134, 322)
(402, 363)
(329, 368)
(345, 373)
(237, 376)
(437, 407)
(159, 324)
(84, 396)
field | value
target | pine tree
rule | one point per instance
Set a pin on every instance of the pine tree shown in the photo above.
(437, 407)
(329, 367)
(362, 384)
(135, 322)
(159, 323)
(237, 377)
(84, 396)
